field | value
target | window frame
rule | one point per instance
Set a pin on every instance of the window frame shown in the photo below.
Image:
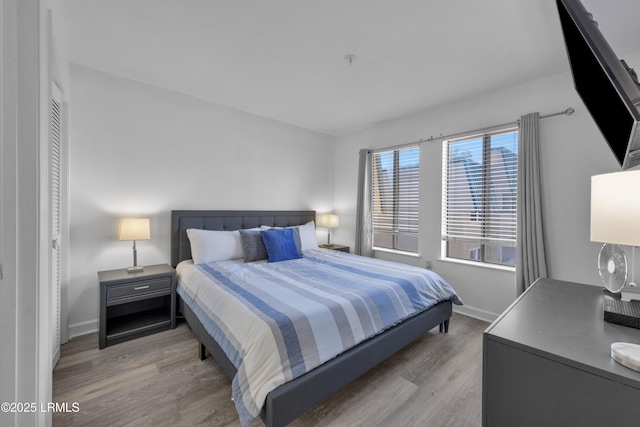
(397, 228)
(485, 239)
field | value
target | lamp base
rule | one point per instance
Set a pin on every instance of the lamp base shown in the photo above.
(630, 292)
(135, 269)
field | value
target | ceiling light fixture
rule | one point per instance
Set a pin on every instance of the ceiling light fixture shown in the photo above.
(350, 59)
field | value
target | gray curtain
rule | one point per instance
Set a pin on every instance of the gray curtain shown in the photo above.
(530, 258)
(363, 244)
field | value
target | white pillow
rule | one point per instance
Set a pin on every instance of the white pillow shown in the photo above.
(308, 238)
(214, 245)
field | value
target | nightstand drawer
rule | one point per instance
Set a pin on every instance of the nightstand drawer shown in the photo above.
(139, 288)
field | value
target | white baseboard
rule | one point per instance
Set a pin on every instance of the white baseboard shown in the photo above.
(476, 313)
(83, 328)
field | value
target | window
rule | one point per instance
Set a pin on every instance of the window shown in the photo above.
(479, 197)
(395, 190)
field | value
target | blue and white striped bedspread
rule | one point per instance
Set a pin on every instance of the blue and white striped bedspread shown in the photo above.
(276, 321)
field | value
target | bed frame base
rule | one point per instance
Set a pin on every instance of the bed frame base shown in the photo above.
(290, 400)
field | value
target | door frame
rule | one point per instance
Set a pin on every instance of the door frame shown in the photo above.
(26, 310)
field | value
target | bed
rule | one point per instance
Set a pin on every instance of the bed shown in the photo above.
(285, 402)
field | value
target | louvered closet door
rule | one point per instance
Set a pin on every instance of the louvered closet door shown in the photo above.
(55, 153)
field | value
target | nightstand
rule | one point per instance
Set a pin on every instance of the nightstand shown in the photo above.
(335, 247)
(136, 304)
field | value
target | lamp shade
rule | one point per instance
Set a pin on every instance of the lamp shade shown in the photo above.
(615, 208)
(134, 229)
(328, 221)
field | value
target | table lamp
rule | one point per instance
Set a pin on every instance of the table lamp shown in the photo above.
(329, 221)
(134, 229)
(615, 219)
(615, 216)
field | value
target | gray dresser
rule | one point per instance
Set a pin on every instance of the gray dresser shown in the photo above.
(546, 362)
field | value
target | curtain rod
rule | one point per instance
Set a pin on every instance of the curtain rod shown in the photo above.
(569, 111)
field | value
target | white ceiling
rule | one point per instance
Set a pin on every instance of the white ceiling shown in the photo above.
(283, 59)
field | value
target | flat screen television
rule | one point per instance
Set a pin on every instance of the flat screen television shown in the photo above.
(608, 88)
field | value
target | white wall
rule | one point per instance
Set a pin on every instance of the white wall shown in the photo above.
(141, 150)
(572, 149)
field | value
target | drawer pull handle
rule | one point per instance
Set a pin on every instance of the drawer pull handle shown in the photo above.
(139, 288)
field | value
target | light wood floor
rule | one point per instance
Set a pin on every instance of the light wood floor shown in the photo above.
(158, 380)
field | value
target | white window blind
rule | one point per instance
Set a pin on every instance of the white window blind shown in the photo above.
(395, 197)
(480, 182)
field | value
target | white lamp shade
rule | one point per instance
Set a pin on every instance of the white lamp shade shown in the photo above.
(615, 208)
(134, 229)
(328, 221)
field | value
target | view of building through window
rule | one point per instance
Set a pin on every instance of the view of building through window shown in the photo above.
(480, 197)
(395, 191)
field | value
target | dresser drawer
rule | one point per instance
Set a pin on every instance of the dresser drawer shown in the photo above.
(141, 287)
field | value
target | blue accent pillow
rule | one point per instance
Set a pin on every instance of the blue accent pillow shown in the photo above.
(296, 236)
(280, 245)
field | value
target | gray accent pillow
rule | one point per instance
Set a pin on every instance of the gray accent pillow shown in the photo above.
(296, 239)
(253, 248)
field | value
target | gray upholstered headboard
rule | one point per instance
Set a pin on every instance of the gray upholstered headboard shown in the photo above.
(226, 220)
